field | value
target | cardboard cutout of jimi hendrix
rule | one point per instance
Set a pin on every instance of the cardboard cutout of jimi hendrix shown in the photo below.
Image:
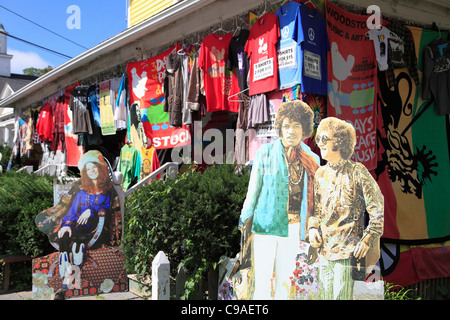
(85, 226)
(278, 203)
(302, 225)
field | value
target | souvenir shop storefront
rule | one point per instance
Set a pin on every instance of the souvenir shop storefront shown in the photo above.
(162, 84)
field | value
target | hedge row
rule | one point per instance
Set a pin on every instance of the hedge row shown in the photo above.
(192, 218)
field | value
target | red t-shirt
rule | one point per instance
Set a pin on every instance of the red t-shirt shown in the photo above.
(262, 51)
(44, 125)
(219, 82)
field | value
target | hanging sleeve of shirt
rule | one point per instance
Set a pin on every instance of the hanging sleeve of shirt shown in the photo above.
(173, 90)
(58, 128)
(195, 86)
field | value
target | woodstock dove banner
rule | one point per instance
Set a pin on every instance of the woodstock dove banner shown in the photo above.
(146, 80)
(352, 71)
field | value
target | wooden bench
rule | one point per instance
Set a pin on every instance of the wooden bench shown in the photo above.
(6, 260)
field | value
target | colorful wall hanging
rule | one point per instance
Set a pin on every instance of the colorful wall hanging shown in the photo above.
(146, 79)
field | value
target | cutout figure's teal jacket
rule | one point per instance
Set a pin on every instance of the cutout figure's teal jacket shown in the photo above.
(268, 192)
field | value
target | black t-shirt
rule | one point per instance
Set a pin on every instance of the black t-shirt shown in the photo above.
(81, 114)
(238, 59)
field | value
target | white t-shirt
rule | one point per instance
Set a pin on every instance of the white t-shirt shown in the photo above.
(380, 41)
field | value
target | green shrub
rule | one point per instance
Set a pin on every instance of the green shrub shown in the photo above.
(192, 218)
(22, 197)
(5, 151)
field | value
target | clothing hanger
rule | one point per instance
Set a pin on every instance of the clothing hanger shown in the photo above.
(311, 3)
(238, 28)
(181, 51)
(198, 43)
(220, 29)
(265, 10)
(236, 95)
(435, 27)
(241, 21)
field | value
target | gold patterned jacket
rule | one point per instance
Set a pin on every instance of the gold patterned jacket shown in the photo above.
(342, 193)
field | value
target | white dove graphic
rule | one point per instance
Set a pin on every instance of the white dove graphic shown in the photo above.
(341, 67)
(262, 46)
(138, 83)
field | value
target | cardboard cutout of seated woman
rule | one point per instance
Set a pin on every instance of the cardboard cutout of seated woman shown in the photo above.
(86, 218)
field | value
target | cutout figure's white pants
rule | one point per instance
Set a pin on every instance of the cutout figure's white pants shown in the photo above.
(275, 255)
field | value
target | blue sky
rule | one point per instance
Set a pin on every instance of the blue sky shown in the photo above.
(99, 20)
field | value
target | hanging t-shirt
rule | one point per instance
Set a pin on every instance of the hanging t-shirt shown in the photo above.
(219, 82)
(149, 162)
(58, 123)
(261, 50)
(106, 112)
(314, 51)
(288, 49)
(114, 87)
(81, 114)
(380, 42)
(121, 110)
(238, 59)
(436, 74)
(44, 125)
(127, 164)
(73, 151)
(93, 99)
(266, 133)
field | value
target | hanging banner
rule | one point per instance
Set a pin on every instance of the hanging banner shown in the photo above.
(413, 175)
(352, 73)
(146, 79)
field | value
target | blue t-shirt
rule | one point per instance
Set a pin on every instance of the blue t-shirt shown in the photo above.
(314, 51)
(289, 57)
(93, 98)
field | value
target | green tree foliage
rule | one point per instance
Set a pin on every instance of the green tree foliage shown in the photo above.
(36, 72)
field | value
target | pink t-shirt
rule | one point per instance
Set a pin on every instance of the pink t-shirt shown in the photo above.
(262, 52)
